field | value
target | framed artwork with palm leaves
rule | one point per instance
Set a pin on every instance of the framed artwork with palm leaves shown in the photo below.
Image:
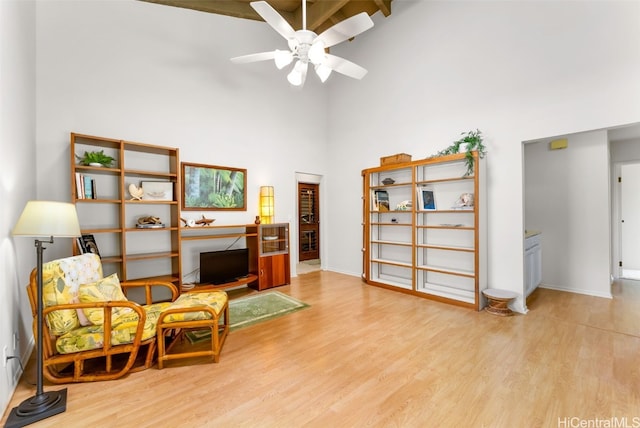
(211, 187)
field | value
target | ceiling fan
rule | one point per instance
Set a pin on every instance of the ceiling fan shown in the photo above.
(307, 47)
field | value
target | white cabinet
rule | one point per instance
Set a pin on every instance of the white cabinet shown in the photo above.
(532, 262)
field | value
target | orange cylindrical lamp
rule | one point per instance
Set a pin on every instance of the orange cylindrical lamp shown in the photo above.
(267, 203)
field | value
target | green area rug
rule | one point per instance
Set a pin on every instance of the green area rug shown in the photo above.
(253, 309)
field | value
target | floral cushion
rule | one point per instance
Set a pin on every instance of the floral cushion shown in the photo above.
(124, 330)
(60, 282)
(104, 290)
(215, 300)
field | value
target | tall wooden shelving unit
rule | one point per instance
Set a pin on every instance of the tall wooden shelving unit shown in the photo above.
(112, 215)
(133, 252)
(437, 253)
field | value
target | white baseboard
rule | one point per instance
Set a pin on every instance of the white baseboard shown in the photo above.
(630, 274)
(577, 291)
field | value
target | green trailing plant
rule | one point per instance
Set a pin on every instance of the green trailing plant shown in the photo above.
(473, 141)
(96, 157)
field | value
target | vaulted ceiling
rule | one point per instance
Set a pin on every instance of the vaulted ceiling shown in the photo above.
(321, 14)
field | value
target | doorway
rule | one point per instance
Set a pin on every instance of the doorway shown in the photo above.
(630, 220)
(308, 221)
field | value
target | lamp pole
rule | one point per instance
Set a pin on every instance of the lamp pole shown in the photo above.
(42, 404)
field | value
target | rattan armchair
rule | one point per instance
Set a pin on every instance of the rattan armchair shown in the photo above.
(77, 350)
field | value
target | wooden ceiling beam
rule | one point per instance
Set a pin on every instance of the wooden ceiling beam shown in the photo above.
(384, 6)
(321, 14)
(235, 8)
(321, 11)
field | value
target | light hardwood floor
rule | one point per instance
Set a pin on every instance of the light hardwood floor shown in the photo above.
(364, 356)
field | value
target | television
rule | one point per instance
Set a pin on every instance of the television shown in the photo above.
(220, 267)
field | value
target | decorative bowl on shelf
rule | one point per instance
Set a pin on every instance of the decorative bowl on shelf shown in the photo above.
(270, 238)
(388, 181)
(150, 226)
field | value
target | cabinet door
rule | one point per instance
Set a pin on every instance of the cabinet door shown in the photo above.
(528, 272)
(532, 264)
(273, 271)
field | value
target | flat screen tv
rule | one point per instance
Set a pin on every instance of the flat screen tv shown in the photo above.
(220, 267)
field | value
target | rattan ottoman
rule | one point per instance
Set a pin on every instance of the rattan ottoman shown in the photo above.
(195, 310)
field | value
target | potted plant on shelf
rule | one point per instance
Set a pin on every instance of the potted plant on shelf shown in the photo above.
(471, 141)
(95, 159)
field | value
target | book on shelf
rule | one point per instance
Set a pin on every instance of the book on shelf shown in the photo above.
(82, 249)
(79, 186)
(90, 244)
(88, 193)
(85, 187)
(380, 200)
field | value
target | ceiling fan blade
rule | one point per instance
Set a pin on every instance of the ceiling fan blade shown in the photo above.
(262, 56)
(345, 67)
(345, 30)
(273, 18)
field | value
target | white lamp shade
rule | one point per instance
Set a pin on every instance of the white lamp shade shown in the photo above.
(295, 76)
(282, 58)
(298, 74)
(323, 72)
(44, 219)
(316, 52)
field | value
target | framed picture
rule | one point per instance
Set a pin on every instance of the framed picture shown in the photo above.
(380, 200)
(426, 199)
(210, 187)
(157, 190)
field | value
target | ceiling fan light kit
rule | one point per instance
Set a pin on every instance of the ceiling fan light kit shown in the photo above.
(307, 47)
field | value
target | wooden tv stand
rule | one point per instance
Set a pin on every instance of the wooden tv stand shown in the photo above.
(268, 244)
(233, 284)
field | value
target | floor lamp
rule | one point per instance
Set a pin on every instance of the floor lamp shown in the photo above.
(43, 219)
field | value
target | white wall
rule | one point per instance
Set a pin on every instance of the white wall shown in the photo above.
(518, 71)
(17, 180)
(161, 75)
(567, 199)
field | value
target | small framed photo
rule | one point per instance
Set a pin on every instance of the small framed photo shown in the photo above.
(157, 190)
(426, 199)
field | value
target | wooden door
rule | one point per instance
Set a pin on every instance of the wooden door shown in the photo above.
(309, 221)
